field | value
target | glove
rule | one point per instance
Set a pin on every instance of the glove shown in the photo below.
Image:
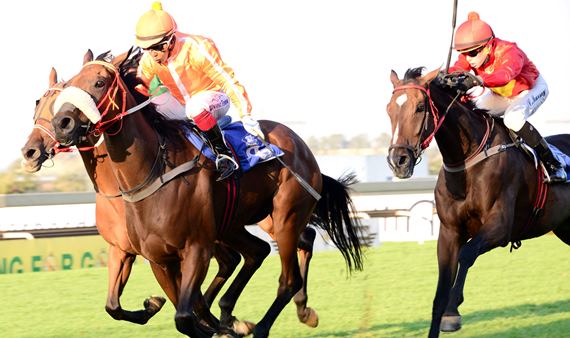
(461, 81)
(467, 82)
(252, 126)
(156, 88)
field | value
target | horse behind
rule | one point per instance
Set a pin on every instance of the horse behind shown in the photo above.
(488, 193)
(168, 228)
(40, 146)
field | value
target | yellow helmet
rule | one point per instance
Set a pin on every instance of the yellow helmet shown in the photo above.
(153, 26)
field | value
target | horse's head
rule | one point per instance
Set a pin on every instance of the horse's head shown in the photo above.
(413, 120)
(93, 101)
(41, 141)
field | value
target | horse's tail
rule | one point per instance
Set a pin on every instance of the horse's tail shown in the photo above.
(335, 213)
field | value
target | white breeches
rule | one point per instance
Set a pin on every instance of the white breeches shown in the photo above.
(516, 110)
(217, 103)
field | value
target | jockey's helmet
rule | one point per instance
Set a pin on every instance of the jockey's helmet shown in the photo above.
(153, 26)
(472, 34)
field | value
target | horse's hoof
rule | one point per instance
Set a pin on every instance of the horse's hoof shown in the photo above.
(450, 323)
(243, 327)
(153, 304)
(311, 318)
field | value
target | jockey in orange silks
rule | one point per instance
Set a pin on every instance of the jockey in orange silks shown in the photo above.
(202, 87)
(512, 85)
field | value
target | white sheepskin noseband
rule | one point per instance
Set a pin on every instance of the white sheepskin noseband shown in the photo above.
(81, 100)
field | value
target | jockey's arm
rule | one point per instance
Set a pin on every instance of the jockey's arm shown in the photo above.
(460, 65)
(222, 74)
(145, 70)
(510, 67)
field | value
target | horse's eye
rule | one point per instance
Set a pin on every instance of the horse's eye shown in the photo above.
(37, 102)
(100, 84)
(420, 108)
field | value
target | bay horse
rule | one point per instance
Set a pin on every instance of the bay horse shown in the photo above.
(488, 192)
(111, 220)
(179, 223)
(109, 210)
(110, 216)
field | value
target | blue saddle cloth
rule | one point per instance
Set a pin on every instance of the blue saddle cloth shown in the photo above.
(249, 149)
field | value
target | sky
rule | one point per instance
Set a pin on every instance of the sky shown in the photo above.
(319, 66)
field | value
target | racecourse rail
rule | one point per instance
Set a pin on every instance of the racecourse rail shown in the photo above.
(373, 200)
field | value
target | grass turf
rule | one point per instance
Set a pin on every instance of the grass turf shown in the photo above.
(521, 294)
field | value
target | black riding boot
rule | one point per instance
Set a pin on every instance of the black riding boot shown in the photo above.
(224, 160)
(531, 136)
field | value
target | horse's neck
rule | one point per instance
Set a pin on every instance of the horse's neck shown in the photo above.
(100, 170)
(132, 151)
(461, 133)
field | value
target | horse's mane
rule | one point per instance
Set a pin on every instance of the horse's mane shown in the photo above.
(412, 74)
(172, 130)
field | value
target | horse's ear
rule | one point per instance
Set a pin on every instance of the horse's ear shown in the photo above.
(429, 76)
(394, 78)
(88, 57)
(52, 77)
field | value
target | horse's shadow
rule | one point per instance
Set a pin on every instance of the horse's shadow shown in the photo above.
(556, 328)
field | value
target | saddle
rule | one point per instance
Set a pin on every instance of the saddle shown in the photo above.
(248, 150)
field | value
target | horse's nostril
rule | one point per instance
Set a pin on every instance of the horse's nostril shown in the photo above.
(402, 160)
(31, 154)
(65, 123)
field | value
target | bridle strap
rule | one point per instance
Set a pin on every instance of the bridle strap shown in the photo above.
(437, 120)
(110, 97)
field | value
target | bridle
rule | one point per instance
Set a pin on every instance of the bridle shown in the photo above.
(109, 102)
(477, 156)
(39, 118)
(417, 150)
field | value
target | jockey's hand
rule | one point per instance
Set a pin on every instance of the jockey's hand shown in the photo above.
(252, 126)
(468, 81)
(461, 81)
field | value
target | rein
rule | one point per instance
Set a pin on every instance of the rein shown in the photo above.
(481, 153)
(148, 186)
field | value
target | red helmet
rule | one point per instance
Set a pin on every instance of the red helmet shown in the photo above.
(472, 34)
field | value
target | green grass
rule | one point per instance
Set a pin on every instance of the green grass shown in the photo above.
(521, 294)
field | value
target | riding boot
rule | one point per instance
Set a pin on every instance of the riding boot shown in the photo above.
(532, 137)
(224, 160)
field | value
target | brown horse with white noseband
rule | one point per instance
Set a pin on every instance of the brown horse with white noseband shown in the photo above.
(178, 223)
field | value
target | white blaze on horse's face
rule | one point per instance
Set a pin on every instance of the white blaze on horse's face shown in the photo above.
(402, 99)
(81, 100)
(395, 109)
(400, 102)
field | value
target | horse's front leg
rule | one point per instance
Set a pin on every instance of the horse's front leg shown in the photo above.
(119, 270)
(488, 238)
(448, 245)
(193, 269)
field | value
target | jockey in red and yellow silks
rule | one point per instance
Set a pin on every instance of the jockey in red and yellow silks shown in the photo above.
(507, 72)
(512, 85)
(201, 86)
